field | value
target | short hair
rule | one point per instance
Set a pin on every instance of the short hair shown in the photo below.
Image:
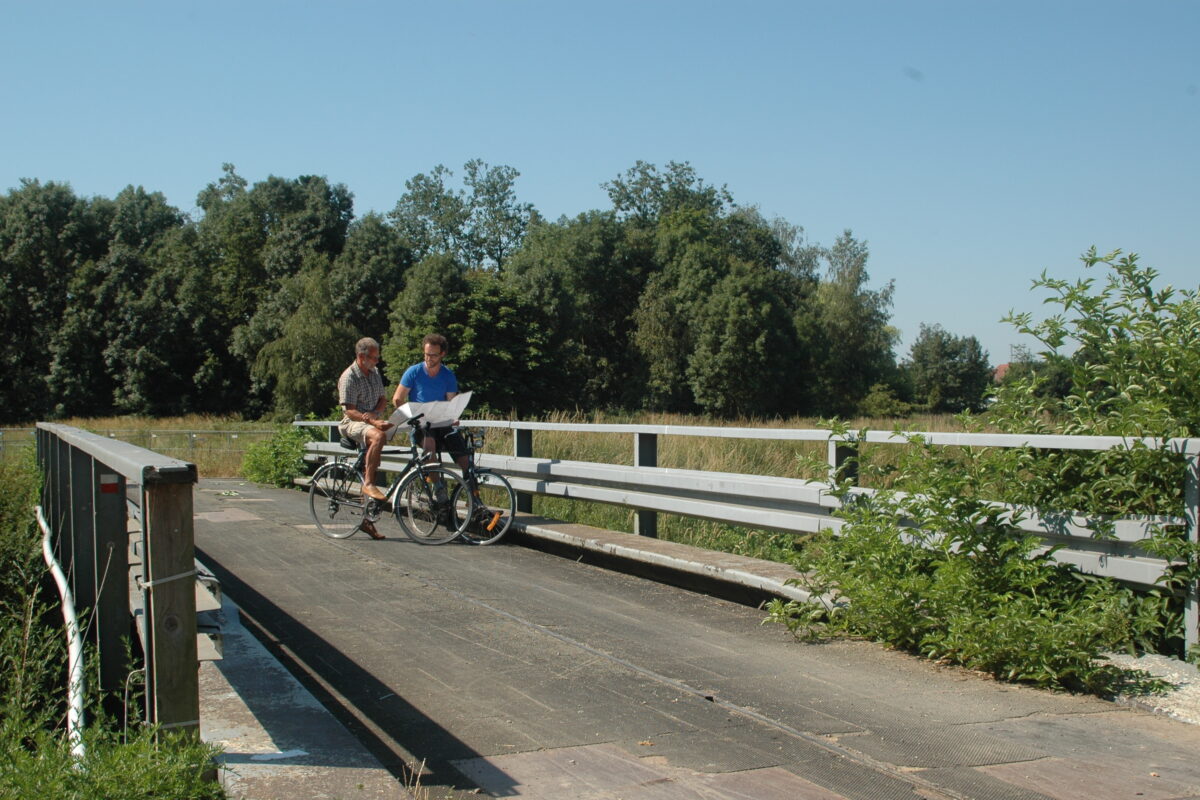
(437, 339)
(365, 345)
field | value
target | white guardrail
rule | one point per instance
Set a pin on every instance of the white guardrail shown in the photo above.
(801, 506)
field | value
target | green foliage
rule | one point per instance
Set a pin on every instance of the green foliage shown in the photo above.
(39, 766)
(130, 306)
(311, 350)
(949, 373)
(934, 567)
(33, 667)
(480, 227)
(946, 574)
(279, 460)
(881, 401)
(852, 334)
(1139, 353)
(32, 655)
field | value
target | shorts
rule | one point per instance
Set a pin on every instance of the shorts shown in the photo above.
(449, 440)
(355, 431)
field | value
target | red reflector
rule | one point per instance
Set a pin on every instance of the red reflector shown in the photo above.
(109, 484)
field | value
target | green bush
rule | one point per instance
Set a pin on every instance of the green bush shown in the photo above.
(278, 460)
(946, 574)
(40, 766)
(930, 566)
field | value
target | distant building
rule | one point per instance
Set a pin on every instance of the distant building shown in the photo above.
(1000, 372)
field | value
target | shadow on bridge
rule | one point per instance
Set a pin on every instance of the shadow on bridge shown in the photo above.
(413, 748)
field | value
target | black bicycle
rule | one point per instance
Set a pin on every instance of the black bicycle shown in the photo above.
(431, 503)
(494, 503)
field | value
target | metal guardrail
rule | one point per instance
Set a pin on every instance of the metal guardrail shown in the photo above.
(789, 504)
(121, 518)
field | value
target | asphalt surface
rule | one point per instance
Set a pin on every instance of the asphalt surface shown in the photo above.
(509, 671)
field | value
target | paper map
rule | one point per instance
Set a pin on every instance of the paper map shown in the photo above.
(440, 413)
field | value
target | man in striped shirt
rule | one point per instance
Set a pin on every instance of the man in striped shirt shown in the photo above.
(361, 395)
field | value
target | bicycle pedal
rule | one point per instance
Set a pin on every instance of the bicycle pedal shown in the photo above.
(495, 519)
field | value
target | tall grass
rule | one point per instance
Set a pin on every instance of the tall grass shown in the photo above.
(215, 444)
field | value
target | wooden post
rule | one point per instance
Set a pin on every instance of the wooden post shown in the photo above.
(843, 461)
(645, 454)
(523, 448)
(172, 671)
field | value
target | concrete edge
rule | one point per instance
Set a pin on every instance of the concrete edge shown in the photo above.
(741, 570)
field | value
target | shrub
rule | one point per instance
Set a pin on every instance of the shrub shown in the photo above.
(278, 460)
(931, 567)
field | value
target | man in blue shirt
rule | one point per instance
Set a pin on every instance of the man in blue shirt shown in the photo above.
(428, 382)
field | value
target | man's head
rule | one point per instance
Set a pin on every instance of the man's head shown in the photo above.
(366, 353)
(435, 340)
(433, 349)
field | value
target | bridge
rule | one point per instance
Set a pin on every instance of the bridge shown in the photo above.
(536, 669)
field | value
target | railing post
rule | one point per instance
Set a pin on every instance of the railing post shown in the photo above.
(523, 448)
(843, 461)
(645, 454)
(1191, 512)
(112, 615)
(78, 517)
(172, 675)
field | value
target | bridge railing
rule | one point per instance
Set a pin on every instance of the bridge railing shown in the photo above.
(121, 524)
(801, 506)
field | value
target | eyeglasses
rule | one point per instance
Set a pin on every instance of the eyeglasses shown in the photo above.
(433, 355)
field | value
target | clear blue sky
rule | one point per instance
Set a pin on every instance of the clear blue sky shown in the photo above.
(971, 144)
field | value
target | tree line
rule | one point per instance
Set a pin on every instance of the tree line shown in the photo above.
(675, 298)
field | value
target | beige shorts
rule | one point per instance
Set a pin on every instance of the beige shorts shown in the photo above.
(354, 430)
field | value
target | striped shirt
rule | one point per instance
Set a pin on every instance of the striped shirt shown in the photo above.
(360, 391)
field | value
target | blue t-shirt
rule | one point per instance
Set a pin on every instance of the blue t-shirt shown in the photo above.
(422, 388)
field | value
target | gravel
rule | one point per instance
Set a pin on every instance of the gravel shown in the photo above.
(1182, 702)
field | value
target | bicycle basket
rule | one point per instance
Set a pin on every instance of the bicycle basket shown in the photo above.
(475, 438)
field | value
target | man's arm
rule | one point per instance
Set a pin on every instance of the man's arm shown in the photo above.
(401, 395)
(374, 418)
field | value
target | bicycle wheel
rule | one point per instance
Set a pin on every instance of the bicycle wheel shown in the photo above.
(334, 497)
(495, 507)
(423, 506)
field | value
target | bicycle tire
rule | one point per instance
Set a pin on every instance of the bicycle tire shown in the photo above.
(335, 500)
(496, 495)
(424, 517)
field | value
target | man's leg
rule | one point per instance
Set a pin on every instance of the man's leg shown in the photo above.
(375, 439)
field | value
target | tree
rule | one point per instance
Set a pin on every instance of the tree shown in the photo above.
(368, 274)
(644, 195)
(430, 217)
(480, 227)
(585, 274)
(431, 302)
(497, 223)
(852, 323)
(744, 361)
(304, 362)
(47, 235)
(257, 240)
(949, 373)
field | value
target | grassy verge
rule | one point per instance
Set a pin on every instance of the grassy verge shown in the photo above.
(36, 758)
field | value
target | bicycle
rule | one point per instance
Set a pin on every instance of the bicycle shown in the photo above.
(494, 504)
(423, 496)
